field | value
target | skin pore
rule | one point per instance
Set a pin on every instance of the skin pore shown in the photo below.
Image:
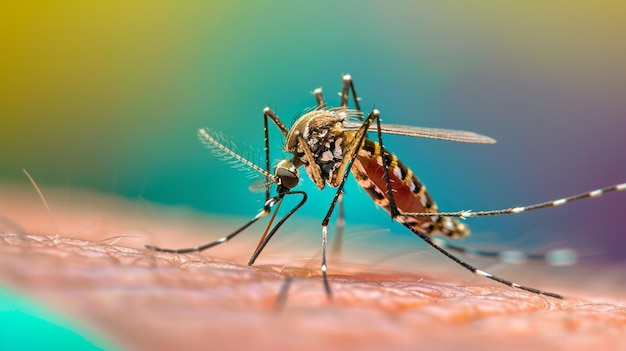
(87, 262)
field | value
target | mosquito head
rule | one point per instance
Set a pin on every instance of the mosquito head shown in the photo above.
(287, 174)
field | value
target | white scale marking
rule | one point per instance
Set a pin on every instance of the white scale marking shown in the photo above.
(423, 200)
(621, 186)
(327, 156)
(559, 202)
(483, 273)
(518, 209)
(466, 214)
(397, 172)
(595, 193)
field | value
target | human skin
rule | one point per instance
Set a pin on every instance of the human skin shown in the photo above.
(87, 261)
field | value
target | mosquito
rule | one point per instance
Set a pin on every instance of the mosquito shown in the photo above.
(331, 142)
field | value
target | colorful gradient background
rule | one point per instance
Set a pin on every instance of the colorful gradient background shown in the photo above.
(109, 96)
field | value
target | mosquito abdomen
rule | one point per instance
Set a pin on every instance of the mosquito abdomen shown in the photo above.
(410, 195)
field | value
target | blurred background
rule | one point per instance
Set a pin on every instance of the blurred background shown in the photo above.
(109, 97)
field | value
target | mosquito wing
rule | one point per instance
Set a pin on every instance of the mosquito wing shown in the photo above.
(423, 132)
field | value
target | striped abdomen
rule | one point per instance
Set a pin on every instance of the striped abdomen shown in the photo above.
(410, 194)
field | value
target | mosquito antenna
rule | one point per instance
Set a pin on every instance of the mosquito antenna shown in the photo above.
(260, 185)
(223, 150)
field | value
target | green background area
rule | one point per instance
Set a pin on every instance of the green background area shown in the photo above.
(28, 326)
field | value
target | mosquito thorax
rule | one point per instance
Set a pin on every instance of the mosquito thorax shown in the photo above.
(287, 174)
(322, 131)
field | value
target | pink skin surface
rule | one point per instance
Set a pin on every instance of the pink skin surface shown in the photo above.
(94, 270)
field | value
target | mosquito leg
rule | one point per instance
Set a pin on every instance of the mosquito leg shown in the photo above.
(319, 98)
(345, 92)
(393, 209)
(476, 271)
(557, 257)
(314, 170)
(386, 158)
(515, 210)
(347, 86)
(349, 155)
(338, 241)
(266, 140)
(266, 210)
(268, 113)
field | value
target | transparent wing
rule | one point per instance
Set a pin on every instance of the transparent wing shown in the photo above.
(423, 132)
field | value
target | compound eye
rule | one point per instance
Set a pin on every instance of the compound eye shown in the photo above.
(287, 174)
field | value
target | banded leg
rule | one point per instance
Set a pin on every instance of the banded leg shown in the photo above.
(266, 210)
(347, 87)
(395, 212)
(515, 210)
(338, 240)
(476, 271)
(345, 166)
(557, 257)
